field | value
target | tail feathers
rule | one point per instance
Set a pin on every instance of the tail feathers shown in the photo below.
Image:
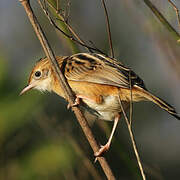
(161, 103)
(164, 105)
(175, 115)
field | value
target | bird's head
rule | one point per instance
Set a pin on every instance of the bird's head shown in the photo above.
(40, 77)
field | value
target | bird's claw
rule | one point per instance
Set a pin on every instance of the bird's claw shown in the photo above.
(101, 151)
(76, 102)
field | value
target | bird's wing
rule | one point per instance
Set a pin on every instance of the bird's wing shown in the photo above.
(97, 68)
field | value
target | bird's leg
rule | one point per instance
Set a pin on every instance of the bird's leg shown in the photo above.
(107, 145)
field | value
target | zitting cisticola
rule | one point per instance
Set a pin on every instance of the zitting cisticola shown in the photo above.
(102, 83)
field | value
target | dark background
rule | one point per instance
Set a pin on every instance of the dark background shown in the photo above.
(40, 138)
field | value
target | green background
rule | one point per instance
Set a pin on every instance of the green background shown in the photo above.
(41, 139)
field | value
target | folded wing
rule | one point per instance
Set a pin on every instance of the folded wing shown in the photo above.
(97, 68)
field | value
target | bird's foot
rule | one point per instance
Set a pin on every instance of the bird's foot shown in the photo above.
(76, 102)
(102, 150)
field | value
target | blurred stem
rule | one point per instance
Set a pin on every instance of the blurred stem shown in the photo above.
(163, 20)
(64, 21)
(49, 131)
(63, 25)
(87, 163)
(71, 34)
(176, 11)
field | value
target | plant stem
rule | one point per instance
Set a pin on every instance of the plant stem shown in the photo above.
(66, 88)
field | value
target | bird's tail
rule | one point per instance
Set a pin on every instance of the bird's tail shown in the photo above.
(162, 104)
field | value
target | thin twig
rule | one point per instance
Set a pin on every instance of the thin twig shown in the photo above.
(67, 12)
(176, 10)
(65, 87)
(132, 140)
(91, 49)
(57, 5)
(108, 29)
(131, 100)
(71, 30)
(61, 17)
(162, 19)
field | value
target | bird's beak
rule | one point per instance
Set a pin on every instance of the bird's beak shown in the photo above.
(27, 88)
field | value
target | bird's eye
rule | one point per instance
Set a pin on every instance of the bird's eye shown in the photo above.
(37, 74)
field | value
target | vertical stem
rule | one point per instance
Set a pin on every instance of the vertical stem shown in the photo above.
(176, 10)
(133, 140)
(108, 29)
(66, 88)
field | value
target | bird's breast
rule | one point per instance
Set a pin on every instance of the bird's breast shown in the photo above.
(108, 109)
(102, 99)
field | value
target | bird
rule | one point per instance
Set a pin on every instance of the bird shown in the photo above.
(100, 83)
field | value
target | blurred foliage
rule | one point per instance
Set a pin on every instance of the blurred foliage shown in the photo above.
(40, 138)
(63, 27)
